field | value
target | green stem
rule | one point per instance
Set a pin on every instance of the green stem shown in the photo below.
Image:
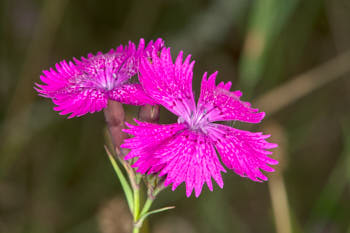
(136, 210)
(136, 230)
(136, 204)
(140, 216)
(147, 206)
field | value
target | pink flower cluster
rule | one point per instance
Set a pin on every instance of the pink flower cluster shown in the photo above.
(186, 151)
(85, 86)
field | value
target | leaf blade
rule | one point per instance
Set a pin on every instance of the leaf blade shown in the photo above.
(124, 183)
(144, 216)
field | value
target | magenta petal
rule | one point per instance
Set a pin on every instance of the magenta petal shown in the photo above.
(66, 91)
(130, 94)
(169, 83)
(222, 105)
(148, 137)
(56, 82)
(109, 70)
(154, 46)
(242, 151)
(81, 102)
(191, 158)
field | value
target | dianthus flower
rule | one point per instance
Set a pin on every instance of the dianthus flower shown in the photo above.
(186, 151)
(87, 85)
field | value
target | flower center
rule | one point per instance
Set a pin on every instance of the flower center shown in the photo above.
(106, 71)
(196, 121)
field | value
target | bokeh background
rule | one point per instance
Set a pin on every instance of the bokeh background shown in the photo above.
(291, 58)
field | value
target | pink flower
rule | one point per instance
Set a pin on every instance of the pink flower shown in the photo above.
(87, 85)
(187, 150)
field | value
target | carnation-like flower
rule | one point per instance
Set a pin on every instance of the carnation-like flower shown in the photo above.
(187, 151)
(86, 86)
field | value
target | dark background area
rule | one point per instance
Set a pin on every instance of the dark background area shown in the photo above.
(291, 58)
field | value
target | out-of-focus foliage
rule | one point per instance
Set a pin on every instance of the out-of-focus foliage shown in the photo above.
(54, 174)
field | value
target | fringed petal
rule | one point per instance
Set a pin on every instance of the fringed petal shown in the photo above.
(78, 103)
(244, 152)
(110, 70)
(156, 46)
(168, 83)
(130, 94)
(147, 137)
(190, 157)
(220, 104)
(69, 93)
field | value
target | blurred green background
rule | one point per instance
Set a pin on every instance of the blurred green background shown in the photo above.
(289, 57)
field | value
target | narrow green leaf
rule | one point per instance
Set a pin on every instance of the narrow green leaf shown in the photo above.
(144, 216)
(125, 185)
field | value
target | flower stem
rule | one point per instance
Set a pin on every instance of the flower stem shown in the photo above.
(136, 210)
(147, 206)
(136, 204)
(136, 229)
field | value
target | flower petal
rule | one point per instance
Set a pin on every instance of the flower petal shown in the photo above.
(130, 94)
(220, 104)
(168, 83)
(69, 95)
(190, 157)
(79, 102)
(242, 151)
(154, 46)
(147, 138)
(109, 70)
